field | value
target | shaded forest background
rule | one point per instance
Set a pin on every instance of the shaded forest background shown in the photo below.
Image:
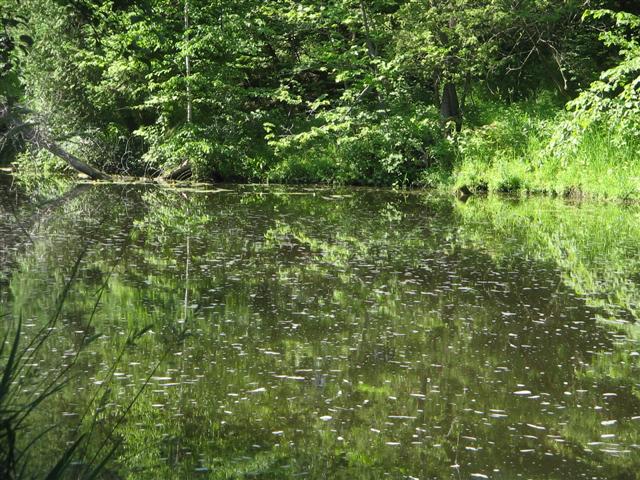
(340, 91)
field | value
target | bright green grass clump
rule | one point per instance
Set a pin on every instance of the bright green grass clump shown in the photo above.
(521, 148)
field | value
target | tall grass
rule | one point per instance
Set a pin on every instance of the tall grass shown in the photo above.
(23, 392)
(521, 148)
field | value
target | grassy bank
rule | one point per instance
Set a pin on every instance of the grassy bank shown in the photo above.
(533, 146)
(530, 147)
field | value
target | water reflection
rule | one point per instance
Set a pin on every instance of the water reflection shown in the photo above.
(339, 333)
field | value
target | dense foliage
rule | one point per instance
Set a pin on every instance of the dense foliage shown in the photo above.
(342, 91)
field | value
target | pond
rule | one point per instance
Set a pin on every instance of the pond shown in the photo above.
(272, 332)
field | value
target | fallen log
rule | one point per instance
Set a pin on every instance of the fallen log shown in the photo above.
(40, 139)
(181, 172)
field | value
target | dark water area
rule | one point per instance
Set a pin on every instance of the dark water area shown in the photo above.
(331, 333)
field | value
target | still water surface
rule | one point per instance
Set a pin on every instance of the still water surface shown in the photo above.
(328, 334)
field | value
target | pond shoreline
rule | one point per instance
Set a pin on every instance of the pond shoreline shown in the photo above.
(461, 192)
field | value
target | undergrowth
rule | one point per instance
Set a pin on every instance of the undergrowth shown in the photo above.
(529, 148)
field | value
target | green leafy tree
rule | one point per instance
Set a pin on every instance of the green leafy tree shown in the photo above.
(615, 96)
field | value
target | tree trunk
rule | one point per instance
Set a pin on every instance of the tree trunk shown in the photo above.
(184, 169)
(450, 106)
(187, 62)
(371, 49)
(182, 172)
(40, 140)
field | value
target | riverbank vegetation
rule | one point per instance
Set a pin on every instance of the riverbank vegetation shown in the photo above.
(538, 96)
